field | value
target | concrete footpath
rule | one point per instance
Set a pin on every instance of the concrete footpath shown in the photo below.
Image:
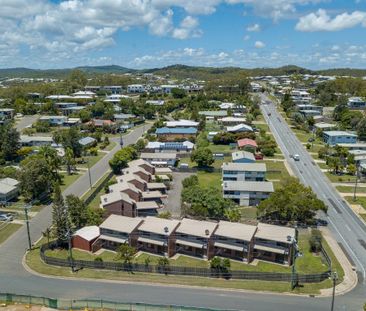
(350, 276)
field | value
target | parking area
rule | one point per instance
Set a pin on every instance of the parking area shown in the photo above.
(172, 202)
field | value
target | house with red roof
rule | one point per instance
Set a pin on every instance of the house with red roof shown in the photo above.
(247, 144)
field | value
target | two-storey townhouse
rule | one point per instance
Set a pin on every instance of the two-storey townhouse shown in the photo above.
(195, 238)
(234, 240)
(243, 171)
(117, 230)
(274, 243)
(157, 235)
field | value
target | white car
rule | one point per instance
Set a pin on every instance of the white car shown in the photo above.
(296, 157)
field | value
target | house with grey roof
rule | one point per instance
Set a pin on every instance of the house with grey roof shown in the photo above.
(247, 193)
(9, 189)
(243, 171)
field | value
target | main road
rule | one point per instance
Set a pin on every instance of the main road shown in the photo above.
(15, 279)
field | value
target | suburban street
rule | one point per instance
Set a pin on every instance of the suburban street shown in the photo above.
(15, 279)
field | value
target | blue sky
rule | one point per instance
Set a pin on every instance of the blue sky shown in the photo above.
(155, 33)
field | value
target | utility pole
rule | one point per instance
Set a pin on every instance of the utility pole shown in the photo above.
(334, 279)
(355, 189)
(90, 181)
(69, 240)
(26, 207)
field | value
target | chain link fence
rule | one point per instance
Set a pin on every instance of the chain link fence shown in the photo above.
(95, 304)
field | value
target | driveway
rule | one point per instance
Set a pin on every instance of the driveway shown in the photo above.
(172, 203)
(25, 121)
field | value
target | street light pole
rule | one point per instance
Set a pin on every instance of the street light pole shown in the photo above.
(90, 181)
(69, 240)
(334, 279)
(355, 189)
(26, 207)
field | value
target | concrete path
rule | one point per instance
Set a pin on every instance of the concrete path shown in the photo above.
(350, 276)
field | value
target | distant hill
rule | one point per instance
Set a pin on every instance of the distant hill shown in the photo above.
(179, 71)
(60, 73)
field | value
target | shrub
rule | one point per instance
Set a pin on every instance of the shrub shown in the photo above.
(98, 259)
(315, 241)
(93, 151)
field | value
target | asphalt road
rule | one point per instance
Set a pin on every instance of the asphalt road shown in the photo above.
(344, 224)
(26, 121)
(15, 279)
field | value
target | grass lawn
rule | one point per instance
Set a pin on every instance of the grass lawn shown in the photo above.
(248, 212)
(91, 159)
(96, 201)
(350, 189)
(34, 262)
(275, 166)
(19, 205)
(360, 200)
(221, 148)
(322, 166)
(262, 127)
(80, 255)
(111, 145)
(7, 230)
(207, 179)
(67, 180)
(363, 216)
(340, 178)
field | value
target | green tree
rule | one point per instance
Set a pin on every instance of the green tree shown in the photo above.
(121, 158)
(361, 129)
(140, 145)
(190, 181)
(125, 253)
(203, 157)
(77, 210)
(351, 169)
(291, 202)
(35, 177)
(178, 93)
(60, 220)
(76, 80)
(233, 214)
(69, 138)
(9, 141)
(52, 158)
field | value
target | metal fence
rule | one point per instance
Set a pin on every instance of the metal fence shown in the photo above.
(97, 189)
(101, 304)
(180, 270)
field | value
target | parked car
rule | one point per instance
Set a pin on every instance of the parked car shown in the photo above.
(6, 217)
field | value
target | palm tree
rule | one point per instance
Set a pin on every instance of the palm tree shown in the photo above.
(69, 160)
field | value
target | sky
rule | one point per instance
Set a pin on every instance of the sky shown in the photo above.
(315, 34)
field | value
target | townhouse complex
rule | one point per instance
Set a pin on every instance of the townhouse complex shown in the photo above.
(201, 239)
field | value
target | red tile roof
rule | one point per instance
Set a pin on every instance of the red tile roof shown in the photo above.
(245, 142)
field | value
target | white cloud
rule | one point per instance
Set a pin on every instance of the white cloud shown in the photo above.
(321, 21)
(259, 44)
(254, 28)
(246, 37)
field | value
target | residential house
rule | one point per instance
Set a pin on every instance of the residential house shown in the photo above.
(354, 146)
(9, 189)
(234, 240)
(85, 237)
(185, 146)
(274, 243)
(174, 133)
(247, 144)
(244, 171)
(7, 113)
(160, 158)
(117, 230)
(247, 193)
(195, 238)
(167, 88)
(35, 141)
(240, 128)
(88, 141)
(356, 103)
(231, 121)
(182, 124)
(157, 235)
(54, 120)
(333, 138)
(214, 114)
(325, 126)
(135, 88)
(158, 102)
(243, 157)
